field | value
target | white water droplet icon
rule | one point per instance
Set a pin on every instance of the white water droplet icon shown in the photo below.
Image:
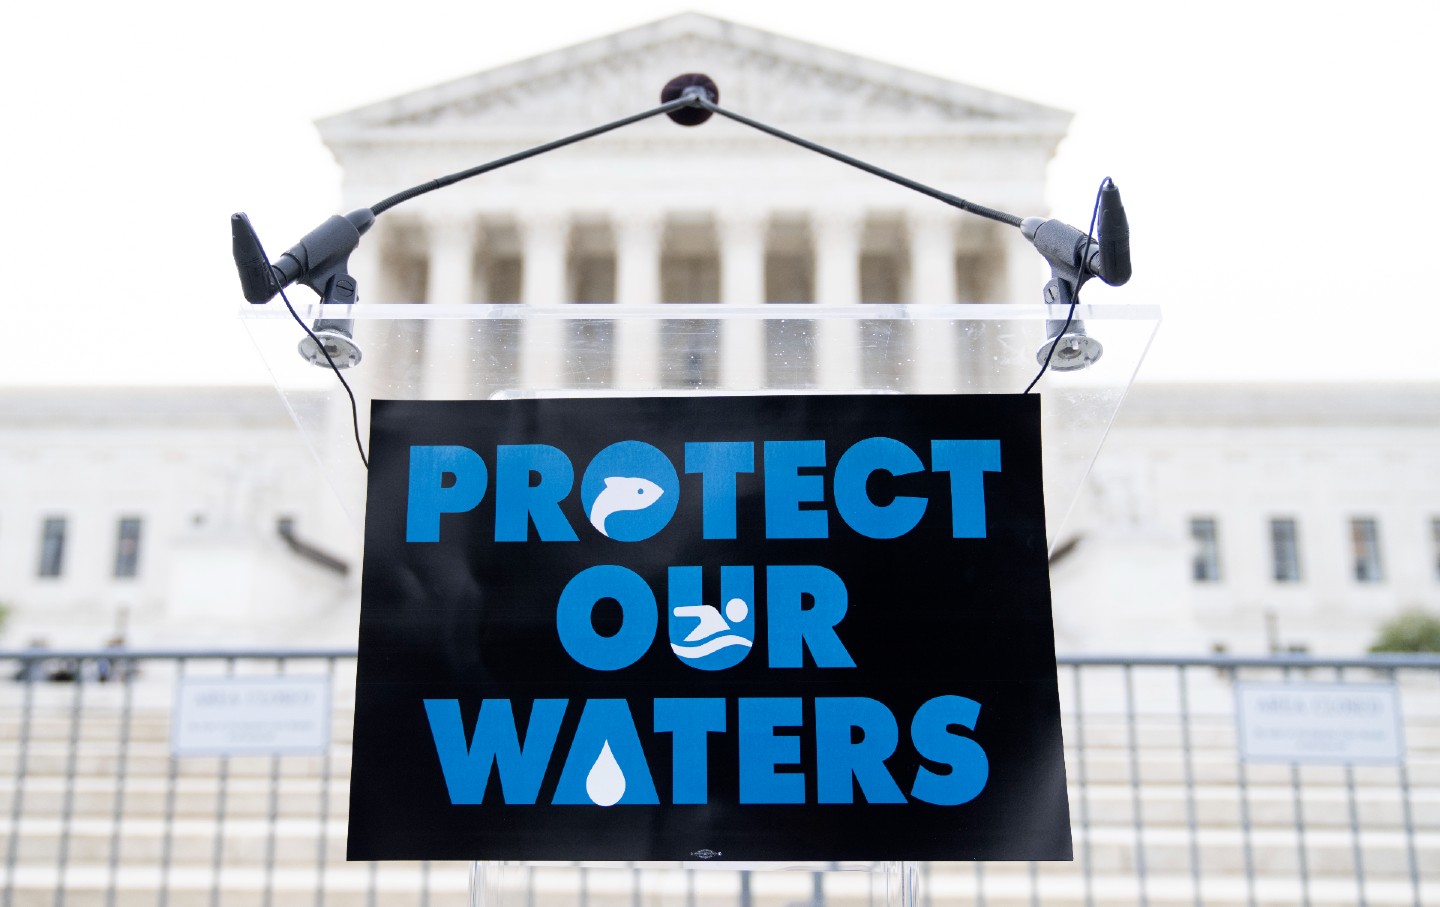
(606, 783)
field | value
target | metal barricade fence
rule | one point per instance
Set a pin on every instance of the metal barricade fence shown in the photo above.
(96, 810)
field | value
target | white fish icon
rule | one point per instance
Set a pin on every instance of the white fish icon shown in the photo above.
(622, 493)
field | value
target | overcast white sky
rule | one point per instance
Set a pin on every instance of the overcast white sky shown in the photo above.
(1277, 159)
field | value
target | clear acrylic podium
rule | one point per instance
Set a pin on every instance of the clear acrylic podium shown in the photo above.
(438, 352)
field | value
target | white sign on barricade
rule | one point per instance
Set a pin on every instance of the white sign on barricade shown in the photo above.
(251, 716)
(1319, 723)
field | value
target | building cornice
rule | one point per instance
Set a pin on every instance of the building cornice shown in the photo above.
(811, 84)
(1277, 405)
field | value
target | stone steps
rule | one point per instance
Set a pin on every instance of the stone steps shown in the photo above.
(1001, 885)
(169, 809)
(1274, 804)
(251, 843)
(347, 885)
(1095, 766)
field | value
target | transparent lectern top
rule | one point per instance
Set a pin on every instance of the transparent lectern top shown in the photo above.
(456, 352)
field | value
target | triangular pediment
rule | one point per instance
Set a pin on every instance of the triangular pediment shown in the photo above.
(762, 75)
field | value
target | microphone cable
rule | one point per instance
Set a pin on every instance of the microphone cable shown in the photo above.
(439, 183)
(1074, 297)
(689, 99)
(354, 407)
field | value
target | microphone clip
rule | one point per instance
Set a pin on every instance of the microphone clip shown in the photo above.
(1074, 258)
(319, 261)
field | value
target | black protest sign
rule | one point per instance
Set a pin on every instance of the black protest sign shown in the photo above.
(751, 628)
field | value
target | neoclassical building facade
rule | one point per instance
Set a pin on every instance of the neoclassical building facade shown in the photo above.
(656, 213)
(1239, 517)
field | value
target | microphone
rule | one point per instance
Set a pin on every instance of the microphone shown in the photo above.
(257, 277)
(1114, 239)
(1073, 256)
(318, 261)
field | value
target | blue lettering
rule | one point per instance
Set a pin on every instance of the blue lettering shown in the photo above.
(786, 490)
(761, 750)
(969, 766)
(518, 503)
(428, 497)
(467, 769)
(793, 627)
(606, 722)
(705, 636)
(637, 623)
(690, 722)
(853, 472)
(967, 462)
(838, 757)
(718, 463)
(630, 491)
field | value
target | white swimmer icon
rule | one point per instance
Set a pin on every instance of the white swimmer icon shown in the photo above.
(710, 624)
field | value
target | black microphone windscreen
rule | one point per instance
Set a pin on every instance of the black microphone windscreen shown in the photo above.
(257, 281)
(1114, 237)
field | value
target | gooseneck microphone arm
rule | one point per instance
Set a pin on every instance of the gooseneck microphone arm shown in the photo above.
(952, 200)
(320, 259)
(440, 183)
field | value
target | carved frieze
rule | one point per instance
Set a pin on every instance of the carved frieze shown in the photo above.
(764, 76)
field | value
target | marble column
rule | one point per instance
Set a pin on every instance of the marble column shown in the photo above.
(837, 237)
(742, 284)
(364, 265)
(932, 282)
(449, 353)
(544, 237)
(1025, 274)
(1025, 270)
(637, 283)
(379, 356)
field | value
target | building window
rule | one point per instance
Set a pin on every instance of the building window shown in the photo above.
(52, 546)
(127, 547)
(1285, 550)
(1205, 566)
(1365, 543)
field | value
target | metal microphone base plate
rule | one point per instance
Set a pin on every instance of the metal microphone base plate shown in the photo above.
(343, 350)
(1073, 352)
